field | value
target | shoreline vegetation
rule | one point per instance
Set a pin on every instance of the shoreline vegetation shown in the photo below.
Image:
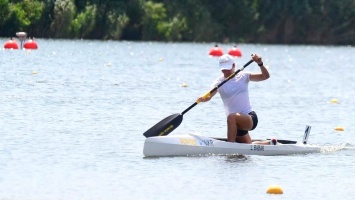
(319, 22)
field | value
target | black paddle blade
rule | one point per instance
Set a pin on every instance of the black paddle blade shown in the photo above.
(165, 126)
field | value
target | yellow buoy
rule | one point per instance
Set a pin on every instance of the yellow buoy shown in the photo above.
(274, 189)
(339, 128)
(334, 101)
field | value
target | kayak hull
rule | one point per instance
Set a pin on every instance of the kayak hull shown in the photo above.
(194, 144)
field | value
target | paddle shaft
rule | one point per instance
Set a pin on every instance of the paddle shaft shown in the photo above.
(167, 125)
(218, 86)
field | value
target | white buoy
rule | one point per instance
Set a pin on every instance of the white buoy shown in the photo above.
(22, 37)
(184, 85)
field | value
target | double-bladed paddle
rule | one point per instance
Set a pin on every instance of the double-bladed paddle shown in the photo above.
(167, 125)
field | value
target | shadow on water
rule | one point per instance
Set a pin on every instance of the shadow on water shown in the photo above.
(187, 156)
(232, 158)
(237, 158)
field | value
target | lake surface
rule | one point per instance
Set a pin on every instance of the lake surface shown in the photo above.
(73, 113)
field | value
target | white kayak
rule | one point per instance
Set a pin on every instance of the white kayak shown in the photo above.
(195, 144)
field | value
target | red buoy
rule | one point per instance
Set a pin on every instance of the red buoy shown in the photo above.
(11, 44)
(30, 44)
(235, 52)
(216, 51)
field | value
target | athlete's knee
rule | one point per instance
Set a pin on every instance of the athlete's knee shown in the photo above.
(231, 118)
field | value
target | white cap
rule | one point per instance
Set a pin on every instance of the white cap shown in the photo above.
(226, 62)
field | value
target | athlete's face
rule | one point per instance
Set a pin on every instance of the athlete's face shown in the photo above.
(227, 72)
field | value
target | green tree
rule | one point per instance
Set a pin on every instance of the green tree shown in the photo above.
(154, 17)
(134, 11)
(63, 15)
(116, 22)
(200, 22)
(24, 14)
(250, 21)
(84, 22)
(173, 29)
(157, 25)
(4, 11)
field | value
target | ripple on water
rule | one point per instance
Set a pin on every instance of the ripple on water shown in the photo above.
(72, 119)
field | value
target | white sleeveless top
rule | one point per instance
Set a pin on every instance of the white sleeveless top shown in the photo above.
(234, 93)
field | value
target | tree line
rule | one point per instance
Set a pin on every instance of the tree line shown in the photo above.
(237, 21)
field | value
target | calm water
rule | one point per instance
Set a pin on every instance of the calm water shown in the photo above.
(73, 112)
